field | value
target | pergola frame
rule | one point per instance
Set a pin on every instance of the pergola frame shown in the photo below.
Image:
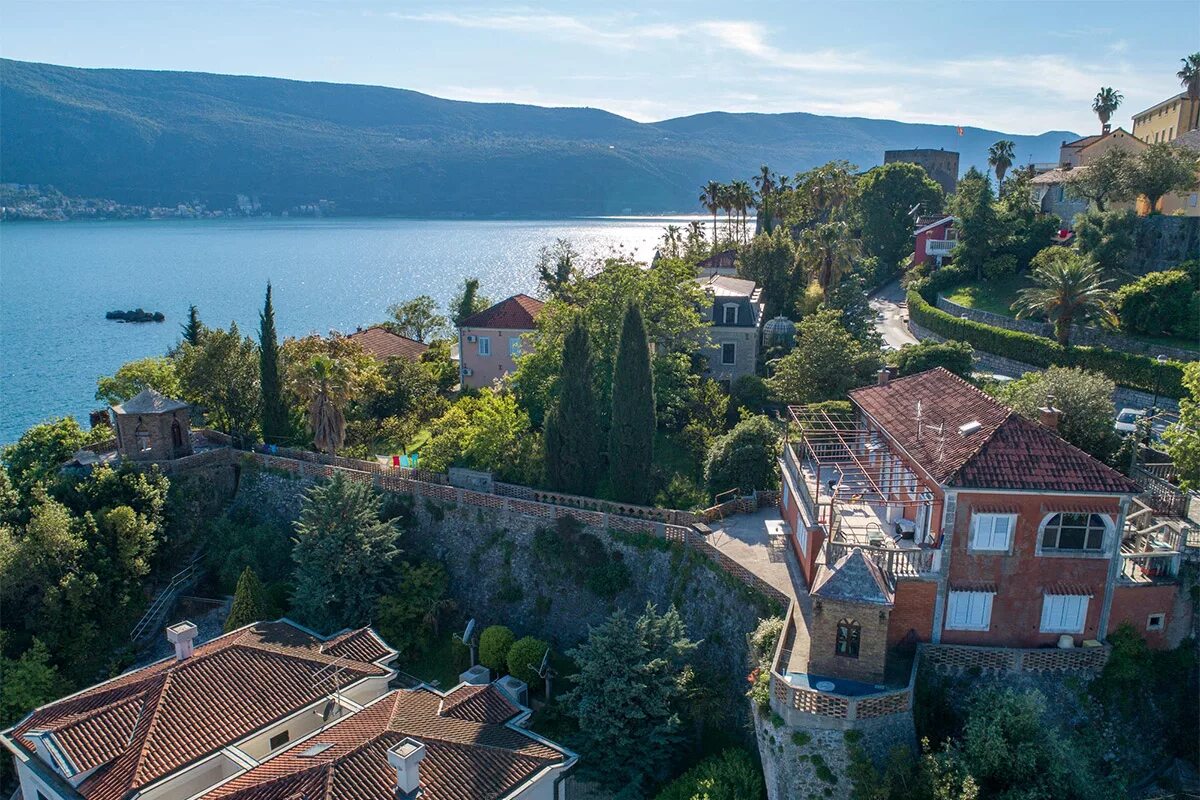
(840, 441)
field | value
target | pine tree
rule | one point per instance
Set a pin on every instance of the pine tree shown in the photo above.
(572, 430)
(248, 604)
(631, 439)
(274, 412)
(193, 329)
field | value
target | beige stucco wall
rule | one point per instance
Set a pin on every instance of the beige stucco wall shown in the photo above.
(1166, 123)
(746, 352)
(486, 370)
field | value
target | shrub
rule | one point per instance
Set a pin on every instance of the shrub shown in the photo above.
(1128, 369)
(494, 644)
(764, 638)
(409, 619)
(1157, 304)
(734, 774)
(958, 357)
(524, 657)
(744, 458)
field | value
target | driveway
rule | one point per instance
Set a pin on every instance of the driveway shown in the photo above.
(888, 305)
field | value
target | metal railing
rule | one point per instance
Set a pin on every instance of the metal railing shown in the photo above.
(1161, 567)
(166, 597)
(939, 247)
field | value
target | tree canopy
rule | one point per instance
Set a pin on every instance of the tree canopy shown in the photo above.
(632, 423)
(744, 458)
(1084, 398)
(886, 195)
(155, 372)
(826, 362)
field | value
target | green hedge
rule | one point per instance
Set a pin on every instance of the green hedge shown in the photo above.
(1126, 369)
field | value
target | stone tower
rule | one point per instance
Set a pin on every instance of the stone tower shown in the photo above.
(151, 427)
(851, 606)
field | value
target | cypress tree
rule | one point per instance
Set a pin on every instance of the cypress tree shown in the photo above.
(248, 603)
(193, 328)
(572, 435)
(274, 412)
(631, 438)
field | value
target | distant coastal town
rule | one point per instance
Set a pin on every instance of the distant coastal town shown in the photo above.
(27, 201)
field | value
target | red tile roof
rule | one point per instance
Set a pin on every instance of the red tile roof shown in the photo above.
(479, 704)
(1006, 452)
(148, 723)
(383, 344)
(516, 313)
(463, 758)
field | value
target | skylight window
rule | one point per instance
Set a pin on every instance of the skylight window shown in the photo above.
(316, 749)
(968, 428)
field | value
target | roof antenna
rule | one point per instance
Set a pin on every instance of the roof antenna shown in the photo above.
(333, 671)
(918, 420)
(546, 673)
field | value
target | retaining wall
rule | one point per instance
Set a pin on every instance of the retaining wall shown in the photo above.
(1079, 335)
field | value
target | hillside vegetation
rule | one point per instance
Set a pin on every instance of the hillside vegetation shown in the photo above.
(161, 138)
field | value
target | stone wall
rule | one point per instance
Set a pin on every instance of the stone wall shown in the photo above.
(1162, 242)
(1079, 335)
(1124, 397)
(812, 764)
(497, 576)
(873, 633)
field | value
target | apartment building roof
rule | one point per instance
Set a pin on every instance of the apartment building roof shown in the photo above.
(382, 344)
(964, 438)
(470, 751)
(1160, 105)
(514, 313)
(131, 731)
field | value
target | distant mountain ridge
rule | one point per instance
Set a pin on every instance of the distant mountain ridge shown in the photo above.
(161, 138)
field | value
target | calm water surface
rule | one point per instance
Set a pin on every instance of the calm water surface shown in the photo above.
(57, 280)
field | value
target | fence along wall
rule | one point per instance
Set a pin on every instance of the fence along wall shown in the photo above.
(402, 481)
(954, 659)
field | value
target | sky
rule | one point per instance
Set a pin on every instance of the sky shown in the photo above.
(1018, 67)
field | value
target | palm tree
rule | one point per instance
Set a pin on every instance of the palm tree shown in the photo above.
(743, 198)
(710, 198)
(326, 387)
(764, 185)
(672, 241)
(1107, 101)
(829, 251)
(1189, 79)
(1000, 158)
(1070, 289)
(726, 196)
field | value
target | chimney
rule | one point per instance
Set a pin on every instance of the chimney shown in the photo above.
(181, 634)
(406, 757)
(1048, 415)
(883, 376)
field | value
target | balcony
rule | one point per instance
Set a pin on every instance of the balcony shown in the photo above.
(939, 247)
(860, 495)
(1154, 544)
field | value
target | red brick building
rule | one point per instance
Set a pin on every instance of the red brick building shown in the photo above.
(933, 240)
(991, 528)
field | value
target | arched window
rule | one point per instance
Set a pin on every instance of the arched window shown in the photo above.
(176, 433)
(1074, 532)
(849, 633)
(141, 436)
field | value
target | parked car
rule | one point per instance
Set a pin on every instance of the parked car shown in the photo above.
(1127, 419)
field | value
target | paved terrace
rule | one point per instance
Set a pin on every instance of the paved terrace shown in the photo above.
(758, 542)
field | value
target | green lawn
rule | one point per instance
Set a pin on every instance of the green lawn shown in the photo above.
(995, 296)
(441, 665)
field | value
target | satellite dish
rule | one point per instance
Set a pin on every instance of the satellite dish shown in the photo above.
(470, 631)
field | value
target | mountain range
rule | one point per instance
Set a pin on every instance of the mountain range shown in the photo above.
(162, 138)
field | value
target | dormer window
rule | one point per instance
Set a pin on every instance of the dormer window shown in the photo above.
(729, 314)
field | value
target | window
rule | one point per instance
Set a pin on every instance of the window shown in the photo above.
(849, 633)
(279, 740)
(969, 611)
(514, 346)
(1064, 613)
(485, 346)
(728, 354)
(176, 434)
(729, 314)
(1155, 622)
(1075, 532)
(992, 531)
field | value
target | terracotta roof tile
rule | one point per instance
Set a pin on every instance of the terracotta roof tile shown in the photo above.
(463, 759)
(479, 704)
(148, 723)
(516, 313)
(1007, 451)
(383, 344)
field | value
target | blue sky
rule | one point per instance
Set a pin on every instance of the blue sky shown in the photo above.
(1022, 67)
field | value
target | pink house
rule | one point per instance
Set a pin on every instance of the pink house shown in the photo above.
(490, 341)
(933, 239)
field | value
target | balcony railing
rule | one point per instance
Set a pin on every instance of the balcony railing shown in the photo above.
(939, 247)
(1162, 567)
(897, 562)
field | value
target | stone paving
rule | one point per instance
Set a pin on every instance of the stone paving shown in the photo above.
(758, 542)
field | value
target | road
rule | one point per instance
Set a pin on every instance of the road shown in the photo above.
(888, 305)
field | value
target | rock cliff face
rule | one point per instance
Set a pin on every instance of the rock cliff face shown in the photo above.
(510, 569)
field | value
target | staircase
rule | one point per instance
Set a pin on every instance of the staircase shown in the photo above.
(164, 601)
